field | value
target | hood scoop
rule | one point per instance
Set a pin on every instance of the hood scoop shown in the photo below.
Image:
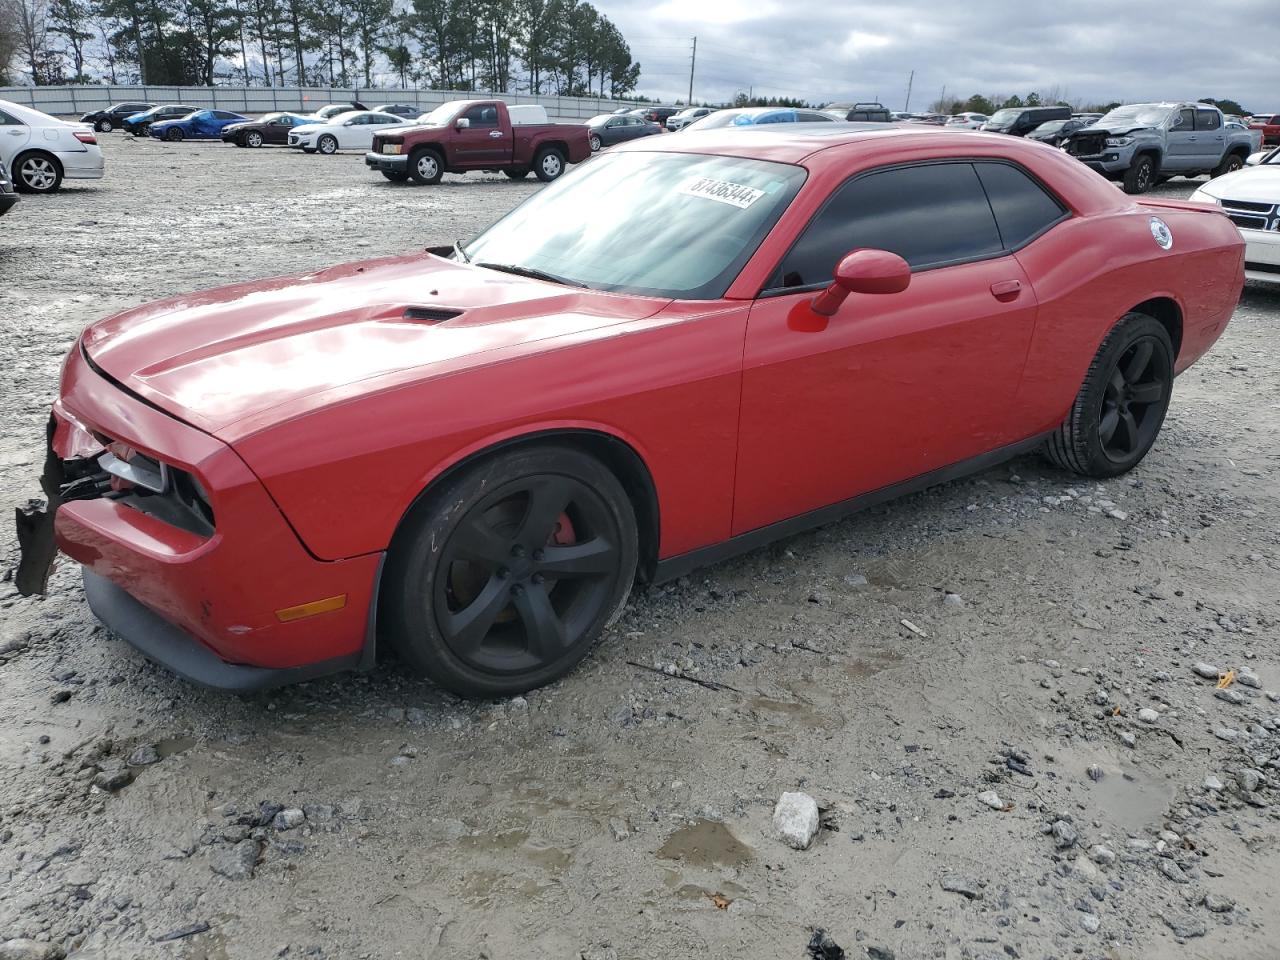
(430, 314)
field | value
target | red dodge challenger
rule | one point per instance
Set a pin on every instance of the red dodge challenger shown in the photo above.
(682, 350)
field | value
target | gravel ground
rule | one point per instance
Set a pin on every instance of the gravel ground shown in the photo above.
(989, 689)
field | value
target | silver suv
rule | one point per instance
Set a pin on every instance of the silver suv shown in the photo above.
(1141, 144)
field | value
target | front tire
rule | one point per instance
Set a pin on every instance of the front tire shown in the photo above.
(548, 164)
(37, 173)
(174, 134)
(1121, 406)
(426, 167)
(253, 139)
(328, 145)
(105, 126)
(396, 176)
(516, 174)
(500, 580)
(1141, 175)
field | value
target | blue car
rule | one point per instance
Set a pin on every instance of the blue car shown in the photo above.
(201, 125)
(756, 116)
(138, 123)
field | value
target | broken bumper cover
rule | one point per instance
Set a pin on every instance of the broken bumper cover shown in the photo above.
(202, 604)
(391, 161)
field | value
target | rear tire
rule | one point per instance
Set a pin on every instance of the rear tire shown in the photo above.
(426, 167)
(1121, 405)
(516, 174)
(36, 173)
(1230, 164)
(502, 578)
(548, 164)
(1141, 175)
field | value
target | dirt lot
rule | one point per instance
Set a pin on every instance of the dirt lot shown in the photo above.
(996, 634)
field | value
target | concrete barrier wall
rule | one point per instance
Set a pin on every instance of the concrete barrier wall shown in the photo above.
(75, 100)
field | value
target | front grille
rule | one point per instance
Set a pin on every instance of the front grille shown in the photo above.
(1263, 267)
(1251, 215)
(1087, 146)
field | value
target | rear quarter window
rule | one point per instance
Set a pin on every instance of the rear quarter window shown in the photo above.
(1023, 208)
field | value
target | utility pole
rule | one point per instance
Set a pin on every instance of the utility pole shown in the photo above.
(906, 107)
(693, 59)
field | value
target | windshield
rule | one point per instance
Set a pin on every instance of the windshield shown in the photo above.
(1004, 118)
(438, 117)
(1144, 114)
(723, 118)
(659, 224)
(1053, 126)
(688, 111)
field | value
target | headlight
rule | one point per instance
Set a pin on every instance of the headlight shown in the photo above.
(1119, 141)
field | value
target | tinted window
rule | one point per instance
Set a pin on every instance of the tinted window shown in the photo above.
(224, 115)
(809, 116)
(1207, 120)
(1022, 207)
(483, 116)
(929, 215)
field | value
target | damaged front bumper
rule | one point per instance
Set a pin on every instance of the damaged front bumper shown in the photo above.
(386, 161)
(208, 601)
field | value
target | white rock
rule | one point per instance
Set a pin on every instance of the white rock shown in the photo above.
(991, 799)
(795, 819)
(1247, 678)
(1090, 922)
(1206, 670)
(1100, 854)
(288, 819)
(1147, 715)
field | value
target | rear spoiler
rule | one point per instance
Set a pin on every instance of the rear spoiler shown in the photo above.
(1200, 206)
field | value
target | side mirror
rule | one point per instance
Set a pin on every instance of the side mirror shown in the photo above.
(863, 271)
(462, 123)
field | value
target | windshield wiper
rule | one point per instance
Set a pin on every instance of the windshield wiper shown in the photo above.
(462, 254)
(532, 272)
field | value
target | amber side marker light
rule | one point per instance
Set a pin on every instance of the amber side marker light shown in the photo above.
(304, 610)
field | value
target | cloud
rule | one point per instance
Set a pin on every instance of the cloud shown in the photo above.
(1088, 50)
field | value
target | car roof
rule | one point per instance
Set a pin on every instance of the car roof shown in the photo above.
(793, 142)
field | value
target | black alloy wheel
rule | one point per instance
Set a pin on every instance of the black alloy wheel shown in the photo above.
(1132, 401)
(501, 580)
(1120, 408)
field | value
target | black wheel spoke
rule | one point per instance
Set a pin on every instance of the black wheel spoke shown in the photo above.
(595, 557)
(1116, 383)
(476, 540)
(1126, 434)
(1107, 426)
(548, 499)
(467, 628)
(543, 628)
(1138, 361)
(1145, 393)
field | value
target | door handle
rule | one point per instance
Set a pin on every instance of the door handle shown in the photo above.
(1191, 139)
(1006, 290)
(495, 133)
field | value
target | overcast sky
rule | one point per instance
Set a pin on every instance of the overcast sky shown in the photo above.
(1092, 50)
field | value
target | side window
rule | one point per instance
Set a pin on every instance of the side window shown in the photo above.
(8, 120)
(482, 116)
(1207, 120)
(1188, 118)
(1022, 207)
(224, 115)
(930, 215)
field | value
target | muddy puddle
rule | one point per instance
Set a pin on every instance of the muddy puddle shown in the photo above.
(706, 843)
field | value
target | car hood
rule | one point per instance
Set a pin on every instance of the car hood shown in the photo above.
(1114, 130)
(309, 127)
(1260, 184)
(223, 356)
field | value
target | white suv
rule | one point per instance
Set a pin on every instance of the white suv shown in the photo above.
(40, 150)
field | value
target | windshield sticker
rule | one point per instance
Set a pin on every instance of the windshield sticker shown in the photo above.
(734, 194)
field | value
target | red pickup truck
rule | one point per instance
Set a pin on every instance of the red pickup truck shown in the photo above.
(479, 135)
(1269, 124)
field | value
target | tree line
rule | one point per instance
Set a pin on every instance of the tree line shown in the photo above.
(562, 47)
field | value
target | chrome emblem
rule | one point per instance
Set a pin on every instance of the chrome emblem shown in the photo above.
(1161, 233)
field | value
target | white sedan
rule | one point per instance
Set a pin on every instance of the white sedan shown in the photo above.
(353, 130)
(40, 150)
(1251, 198)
